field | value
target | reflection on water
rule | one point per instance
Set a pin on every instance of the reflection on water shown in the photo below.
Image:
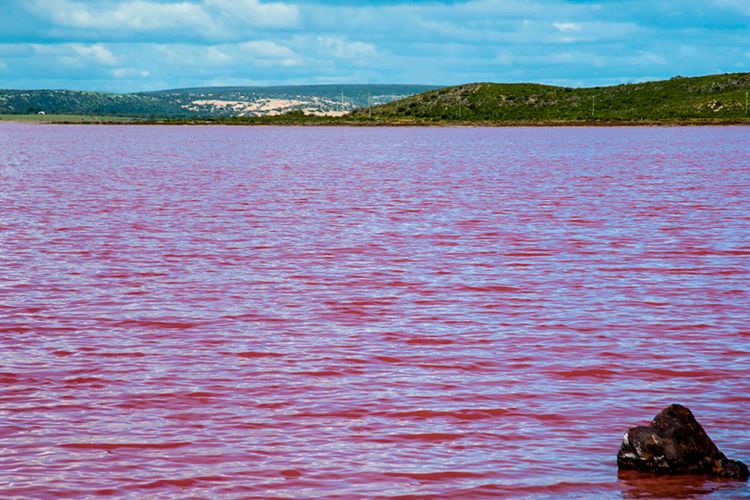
(644, 485)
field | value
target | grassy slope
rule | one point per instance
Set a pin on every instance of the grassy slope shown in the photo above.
(701, 99)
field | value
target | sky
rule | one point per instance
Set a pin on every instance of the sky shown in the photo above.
(136, 45)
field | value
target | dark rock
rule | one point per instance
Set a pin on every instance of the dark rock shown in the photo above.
(675, 443)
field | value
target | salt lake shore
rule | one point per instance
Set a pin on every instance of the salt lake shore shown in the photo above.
(345, 121)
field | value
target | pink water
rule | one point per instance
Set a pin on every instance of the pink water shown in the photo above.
(314, 312)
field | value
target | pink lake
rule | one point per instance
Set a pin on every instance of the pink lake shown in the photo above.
(319, 312)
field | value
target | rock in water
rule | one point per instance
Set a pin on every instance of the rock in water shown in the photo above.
(675, 443)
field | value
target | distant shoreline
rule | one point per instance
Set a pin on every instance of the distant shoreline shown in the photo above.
(722, 99)
(317, 121)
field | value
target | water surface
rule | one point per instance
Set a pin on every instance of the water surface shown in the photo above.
(320, 312)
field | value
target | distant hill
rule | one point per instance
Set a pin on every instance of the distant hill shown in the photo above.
(705, 99)
(209, 102)
(714, 97)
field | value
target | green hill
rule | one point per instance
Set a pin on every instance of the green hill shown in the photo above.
(209, 102)
(71, 102)
(706, 98)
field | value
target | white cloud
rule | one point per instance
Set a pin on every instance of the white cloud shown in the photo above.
(263, 48)
(193, 42)
(135, 15)
(215, 18)
(256, 13)
(344, 49)
(96, 53)
(740, 6)
(78, 54)
(243, 54)
(572, 58)
(502, 8)
(567, 26)
(262, 53)
(130, 73)
(650, 58)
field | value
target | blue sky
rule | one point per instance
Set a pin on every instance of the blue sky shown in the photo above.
(131, 45)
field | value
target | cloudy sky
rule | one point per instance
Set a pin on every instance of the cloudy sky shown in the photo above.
(131, 45)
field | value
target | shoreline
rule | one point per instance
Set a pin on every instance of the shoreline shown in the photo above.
(313, 121)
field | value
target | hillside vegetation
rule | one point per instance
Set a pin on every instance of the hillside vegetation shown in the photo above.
(706, 98)
(209, 102)
(695, 100)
